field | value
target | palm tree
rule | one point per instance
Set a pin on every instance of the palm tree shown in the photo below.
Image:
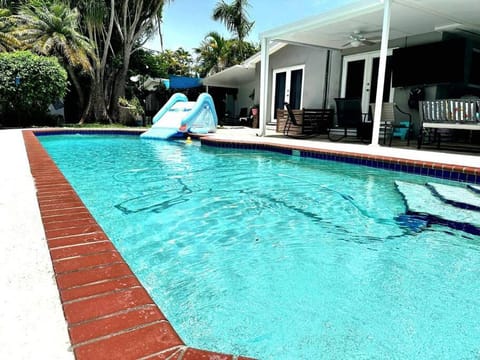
(51, 28)
(178, 62)
(11, 4)
(8, 42)
(213, 53)
(235, 18)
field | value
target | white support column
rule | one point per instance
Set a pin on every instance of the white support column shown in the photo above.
(264, 78)
(381, 71)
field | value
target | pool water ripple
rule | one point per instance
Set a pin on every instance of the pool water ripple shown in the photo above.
(280, 257)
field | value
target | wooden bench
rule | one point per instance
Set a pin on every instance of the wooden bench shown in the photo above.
(308, 122)
(451, 114)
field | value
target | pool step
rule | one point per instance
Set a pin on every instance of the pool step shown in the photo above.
(461, 197)
(454, 206)
(474, 188)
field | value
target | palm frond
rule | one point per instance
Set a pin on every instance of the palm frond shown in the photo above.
(52, 28)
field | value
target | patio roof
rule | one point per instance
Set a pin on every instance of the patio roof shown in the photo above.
(332, 29)
(409, 17)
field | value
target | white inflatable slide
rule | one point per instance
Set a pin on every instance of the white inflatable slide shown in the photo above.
(179, 116)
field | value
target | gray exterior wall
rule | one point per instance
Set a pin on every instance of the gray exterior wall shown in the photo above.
(314, 59)
(244, 93)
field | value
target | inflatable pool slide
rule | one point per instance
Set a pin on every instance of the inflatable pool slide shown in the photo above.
(179, 116)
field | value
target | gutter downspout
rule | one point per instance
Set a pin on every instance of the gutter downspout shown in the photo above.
(264, 78)
(381, 72)
(326, 79)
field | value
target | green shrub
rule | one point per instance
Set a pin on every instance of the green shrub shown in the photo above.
(28, 85)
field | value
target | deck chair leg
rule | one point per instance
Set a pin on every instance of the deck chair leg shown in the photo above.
(420, 138)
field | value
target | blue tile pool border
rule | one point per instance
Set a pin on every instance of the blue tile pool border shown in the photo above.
(433, 169)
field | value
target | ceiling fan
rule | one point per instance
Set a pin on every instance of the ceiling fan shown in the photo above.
(358, 38)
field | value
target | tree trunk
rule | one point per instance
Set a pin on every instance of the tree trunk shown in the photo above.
(99, 108)
(96, 108)
(78, 87)
(120, 80)
(86, 111)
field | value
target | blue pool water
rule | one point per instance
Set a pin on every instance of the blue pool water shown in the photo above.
(279, 257)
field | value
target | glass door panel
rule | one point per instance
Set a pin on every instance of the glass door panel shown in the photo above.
(355, 73)
(280, 82)
(374, 79)
(359, 79)
(288, 87)
(296, 78)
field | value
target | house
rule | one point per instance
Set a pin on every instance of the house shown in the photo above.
(354, 51)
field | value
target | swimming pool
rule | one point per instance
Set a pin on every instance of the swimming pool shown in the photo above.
(274, 256)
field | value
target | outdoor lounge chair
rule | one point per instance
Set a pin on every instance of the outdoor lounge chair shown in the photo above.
(313, 122)
(243, 116)
(390, 126)
(350, 117)
(241, 119)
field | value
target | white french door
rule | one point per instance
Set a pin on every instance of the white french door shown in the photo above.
(287, 87)
(359, 78)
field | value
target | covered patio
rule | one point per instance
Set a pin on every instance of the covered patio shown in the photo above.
(395, 20)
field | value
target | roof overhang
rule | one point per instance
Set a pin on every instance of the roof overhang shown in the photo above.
(231, 77)
(239, 74)
(331, 29)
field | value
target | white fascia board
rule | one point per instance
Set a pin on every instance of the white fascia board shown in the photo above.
(231, 77)
(256, 58)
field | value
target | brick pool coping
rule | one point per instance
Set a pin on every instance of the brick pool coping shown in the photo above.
(108, 312)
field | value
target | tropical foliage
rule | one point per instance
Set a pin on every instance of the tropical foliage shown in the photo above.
(8, 42)
(146, 63)
(178, 62)
(30, 83)
(217, 53)
(51, 28)
(99, 43)
(213, 54)
(235, 18)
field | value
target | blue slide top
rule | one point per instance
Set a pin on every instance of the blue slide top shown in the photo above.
(179, 116)
(172, 101)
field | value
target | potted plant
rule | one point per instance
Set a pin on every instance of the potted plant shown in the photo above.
(254, 111)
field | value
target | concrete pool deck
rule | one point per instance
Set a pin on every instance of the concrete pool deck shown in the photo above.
(31, 316)
(32, 319)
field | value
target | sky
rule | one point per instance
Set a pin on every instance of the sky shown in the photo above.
(187, 22)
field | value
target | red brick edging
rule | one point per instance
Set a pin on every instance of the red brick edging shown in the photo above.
(109, 313)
